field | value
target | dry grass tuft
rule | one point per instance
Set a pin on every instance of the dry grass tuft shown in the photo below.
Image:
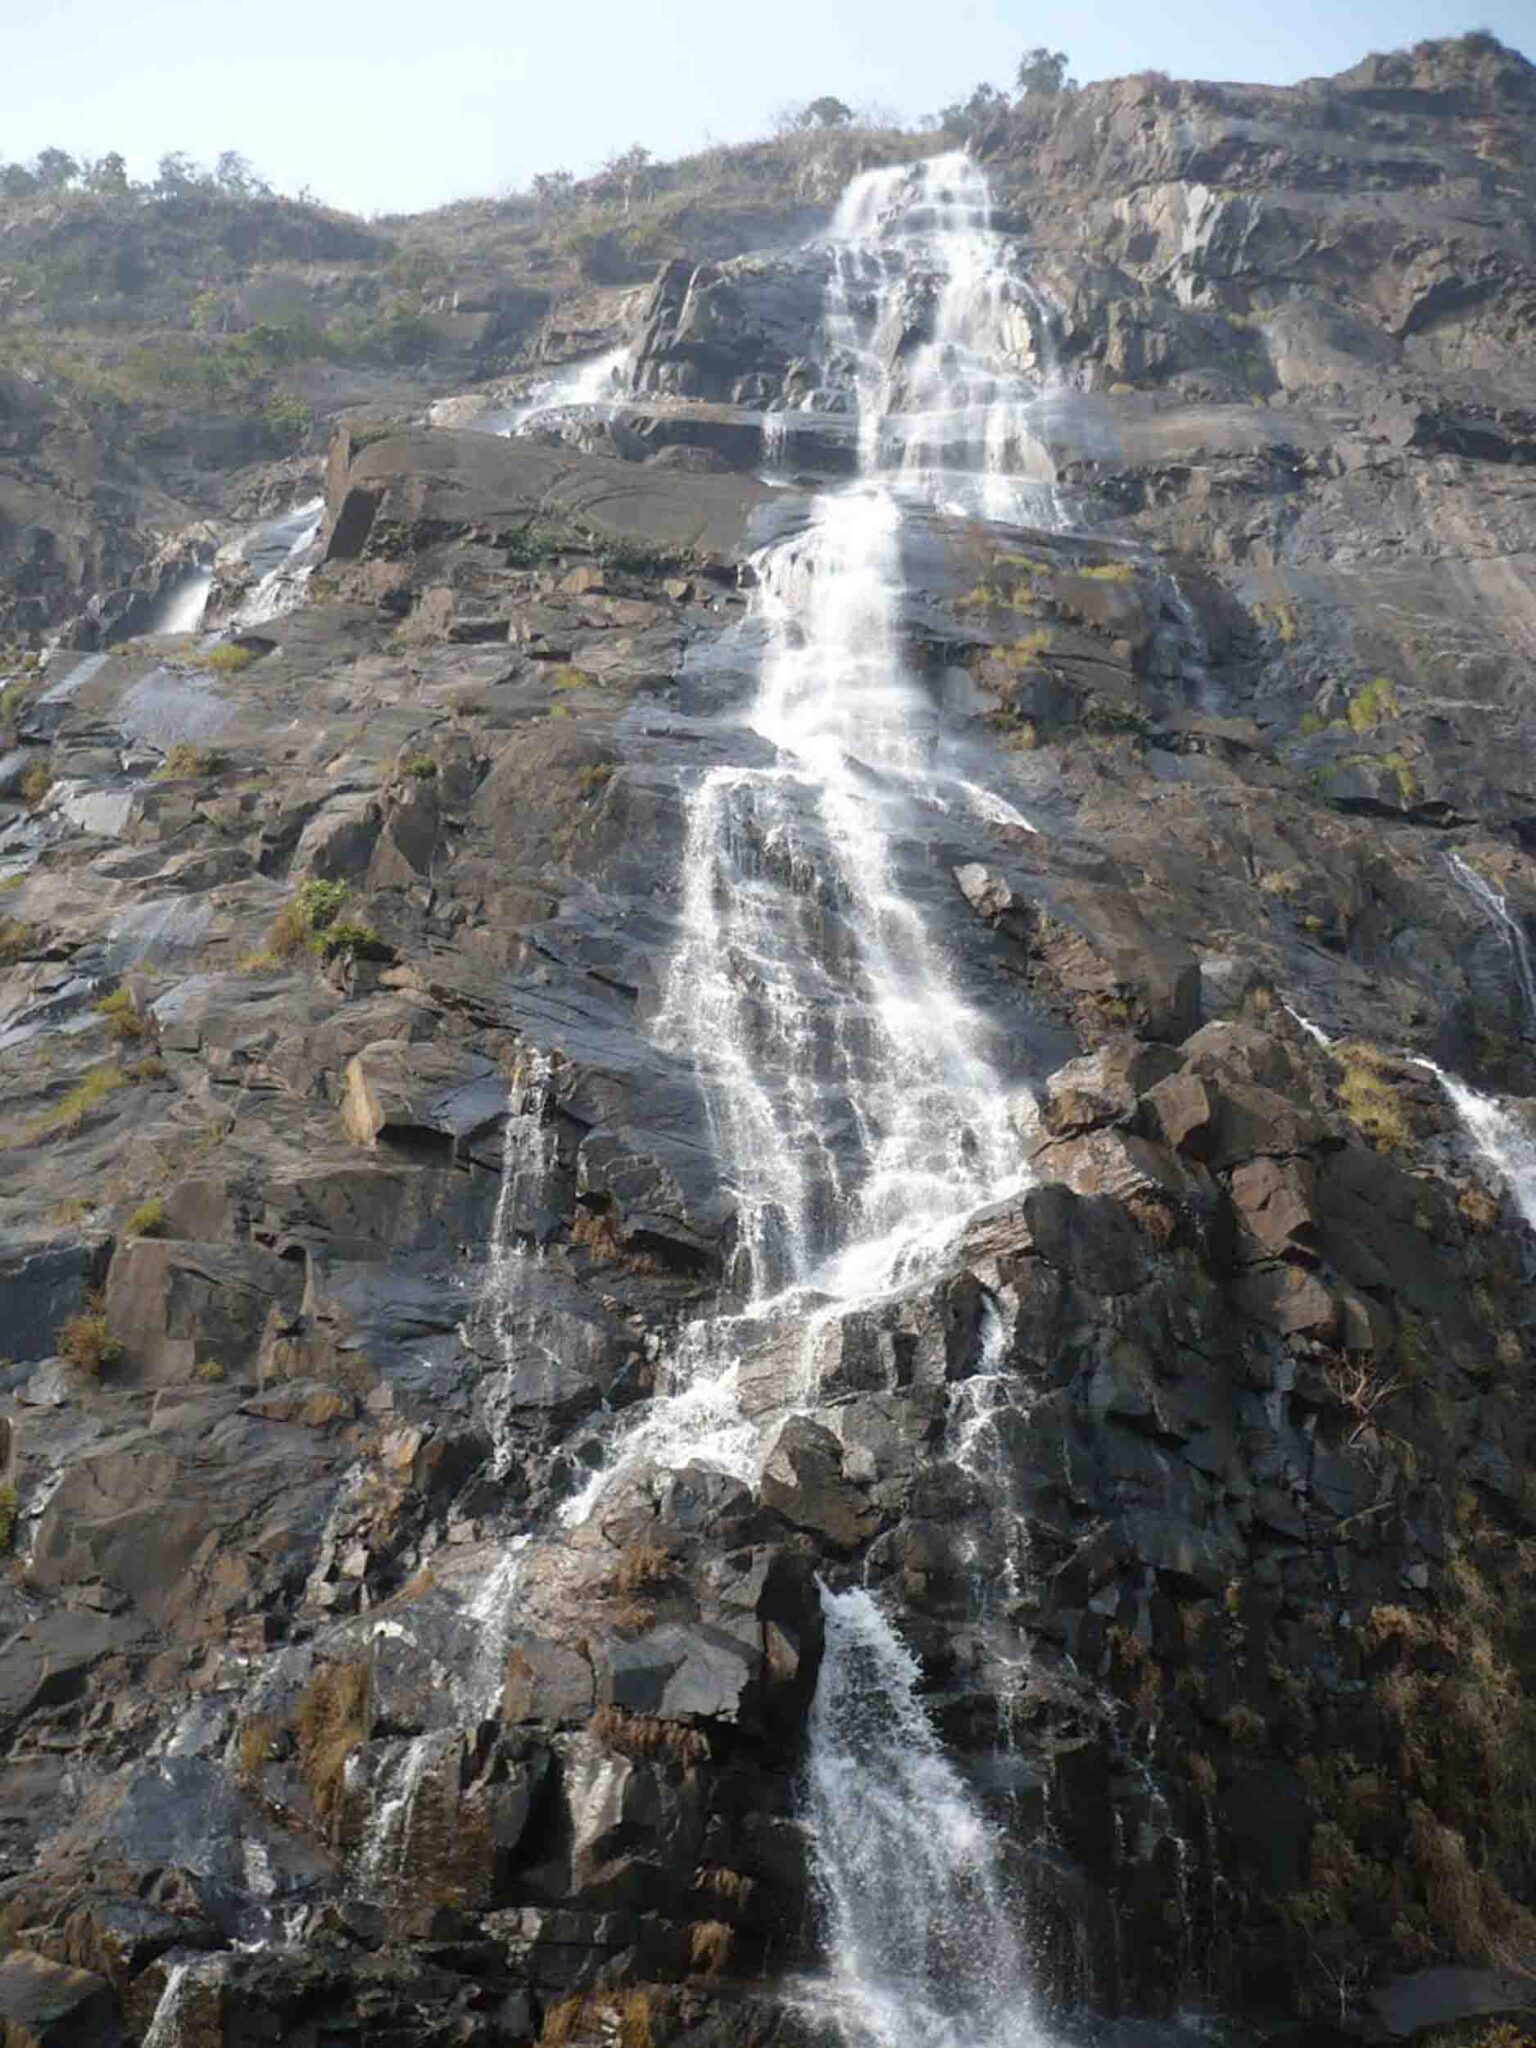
(648, 1735)
(86, 1340)
(331, 1721)
(709, 1946)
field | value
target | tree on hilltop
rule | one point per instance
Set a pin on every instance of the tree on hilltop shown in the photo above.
(966, 119)
(826, 112)
(1044, 71)
(238, 176)
(54, 169)
(109, 174)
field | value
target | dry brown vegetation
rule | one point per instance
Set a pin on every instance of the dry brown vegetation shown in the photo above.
(331, 1721)
(648, 1735)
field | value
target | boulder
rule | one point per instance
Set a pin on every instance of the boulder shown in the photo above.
(804, 1480)
(49, 2005)
(174, 1305)
(402, 1093)
(1408, 2006)
(41, 1286)
(461, 481)
(1276, 1204)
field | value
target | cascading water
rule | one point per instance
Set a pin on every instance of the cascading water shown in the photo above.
(1508, 1145)
(923, 1932)
(282, 553)
(856, 1101)
(181, 609)
(594, 381)
(851, 1084)
(1491, 900)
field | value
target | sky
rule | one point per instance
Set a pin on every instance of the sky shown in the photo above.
(396, 105)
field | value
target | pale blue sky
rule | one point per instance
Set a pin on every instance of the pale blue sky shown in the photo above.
(398, 104)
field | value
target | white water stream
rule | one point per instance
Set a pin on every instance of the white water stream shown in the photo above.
(181, 609)
(925, 1948)
(1493, 903)
(1505, 1143)
(856, 1100)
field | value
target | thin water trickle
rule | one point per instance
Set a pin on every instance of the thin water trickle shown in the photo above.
(173, 2019)
(1505, 1143)
(984, 1409)
(382, 1856)
(283, 551)
(527, 1159)
(1493, 902)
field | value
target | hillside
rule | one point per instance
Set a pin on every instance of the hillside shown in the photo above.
(770, 1068)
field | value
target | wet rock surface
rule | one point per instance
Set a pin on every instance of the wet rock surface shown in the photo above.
(357, 1199)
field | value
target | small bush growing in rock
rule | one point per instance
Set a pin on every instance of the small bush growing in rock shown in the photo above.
(257, 1743)
(229, 660)
(18, 941)
(1368, 1099)
(1108, 572)
(616, 2019)
(532, 545)
(1479, 1207)
(36, 783)
(8, 1505)
(351, 941)
(643, 1564)
(709, 1945)
(209, 1372)
(187, 763)
(86, 1340)
(1373, 704)
(634, 558)
(306, 917)
(147, 1218)
(597, 1231)
(122, 1014)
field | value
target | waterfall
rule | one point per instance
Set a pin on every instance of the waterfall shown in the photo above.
(381, 1859)
(282, 552)
(923, 1929)
(1508, 1145)
(854, 1097)
(182, 607)
(173, 2021)
(1491, 900)
(854, 1093)
(593, 383)
(851, 1086)
(527, 1156)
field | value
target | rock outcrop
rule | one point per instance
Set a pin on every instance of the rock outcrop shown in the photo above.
(364, 1674)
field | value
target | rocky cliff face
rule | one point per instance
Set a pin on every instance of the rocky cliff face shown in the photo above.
(488, 1055)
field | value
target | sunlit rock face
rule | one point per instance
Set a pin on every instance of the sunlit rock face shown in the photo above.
(766, 1257)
